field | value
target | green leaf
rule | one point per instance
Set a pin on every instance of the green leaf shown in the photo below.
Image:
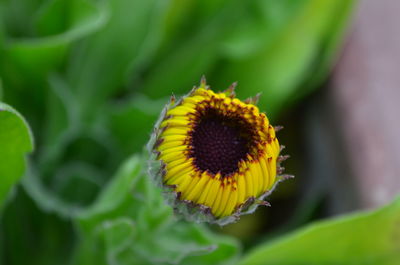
(117, 190)
(131, 224)
(16, 141)
(361, 238)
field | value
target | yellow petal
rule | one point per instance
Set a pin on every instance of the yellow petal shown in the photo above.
(232, 201)
(249, 184)
(271, 131)
(255, 176)
(227, 101)
(277, 147)
(175, 131)
(273, 170)
(177, 148)
(207, 188)
(195, 193)
(202, 92)
(271, 150)
(171, 172)
(241, 189)
(258, 184)
(265, 118)
(173, 138)
(177, 178)
(193, 100)
(212, 194)
(237, 102)
(169, 144)
(266, 176)
(184, 182)
(226, 192)
(217, 201)
(172, 156)
(191, 186)
(180, 111)
(175, 163)
(271, 164)
(175, 123)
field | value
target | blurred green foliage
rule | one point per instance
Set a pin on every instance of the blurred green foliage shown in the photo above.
(91, 77)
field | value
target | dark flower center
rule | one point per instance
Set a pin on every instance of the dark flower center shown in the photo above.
(219, 142)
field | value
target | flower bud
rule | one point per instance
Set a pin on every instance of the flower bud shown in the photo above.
(215, 156)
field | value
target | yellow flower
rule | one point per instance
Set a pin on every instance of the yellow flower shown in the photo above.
(218, 156)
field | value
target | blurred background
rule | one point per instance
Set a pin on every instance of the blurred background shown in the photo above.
(91, 77)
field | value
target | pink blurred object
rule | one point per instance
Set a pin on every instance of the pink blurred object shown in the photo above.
(366, 95)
